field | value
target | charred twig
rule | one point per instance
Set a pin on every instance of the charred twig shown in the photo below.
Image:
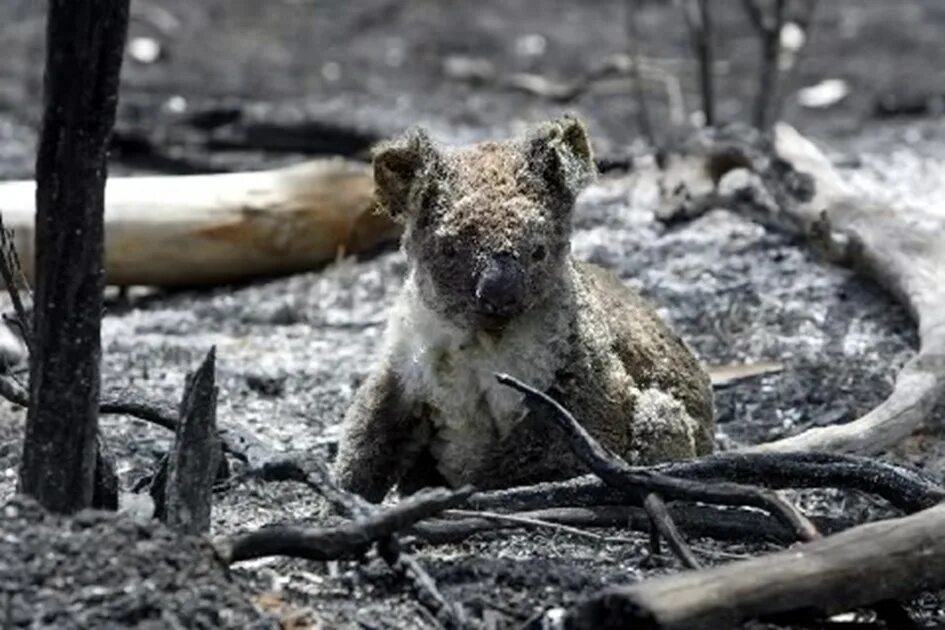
(316, 476)
(529, 521)
(347, 541)
(664, 526)
(12, 274)
(832, 575)
(695, 521)
(643, 109)
(699, 24)
(770, 33)
(637, 482)
(902, 487)
(105, 490)
(195, 456)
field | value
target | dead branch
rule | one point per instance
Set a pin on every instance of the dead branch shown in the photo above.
(11, 273)
(643, 109)
(194, 458)
(105, 489)
(638, 482)
(769, 31)
(663, 526)
(316, 476)
(347, 541)
(204, 229)
(535, 523)
(791, 186)
(908, 260)
(699, 24)
(885, 560)
(902, 487)
(695, 521)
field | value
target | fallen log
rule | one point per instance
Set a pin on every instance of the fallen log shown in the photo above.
(212, 229)
(892, 559)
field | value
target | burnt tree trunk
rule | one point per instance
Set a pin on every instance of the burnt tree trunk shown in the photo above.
(84, 47)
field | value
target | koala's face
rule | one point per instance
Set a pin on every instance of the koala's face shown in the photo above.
(487, 227)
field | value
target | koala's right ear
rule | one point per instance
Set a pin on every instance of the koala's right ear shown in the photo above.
(398, 165)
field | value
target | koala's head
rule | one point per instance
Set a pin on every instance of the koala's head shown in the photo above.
(487, 227)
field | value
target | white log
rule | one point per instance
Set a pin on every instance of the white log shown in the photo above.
(903, 248)
(210, 229)
(885, 560)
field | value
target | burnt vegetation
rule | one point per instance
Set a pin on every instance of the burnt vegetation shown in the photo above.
(818, 566)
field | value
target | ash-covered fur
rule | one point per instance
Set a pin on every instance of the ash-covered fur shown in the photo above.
(491, 287)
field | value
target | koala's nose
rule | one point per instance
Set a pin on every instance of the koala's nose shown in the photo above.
(501, 286)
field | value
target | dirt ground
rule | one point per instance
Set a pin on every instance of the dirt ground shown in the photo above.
(292, 350)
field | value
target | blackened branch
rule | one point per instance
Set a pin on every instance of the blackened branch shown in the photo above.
(637, 483)
(699, 24)
(664, 526)
(347, 541)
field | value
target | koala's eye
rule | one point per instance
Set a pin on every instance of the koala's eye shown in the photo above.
(539, 253)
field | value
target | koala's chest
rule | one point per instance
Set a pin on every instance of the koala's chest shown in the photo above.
(469, 410)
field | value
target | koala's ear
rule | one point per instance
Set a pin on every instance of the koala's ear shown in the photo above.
(560, 151)
(400, 164)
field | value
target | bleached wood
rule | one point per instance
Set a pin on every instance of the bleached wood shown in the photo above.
(903, 248)
(209, 229)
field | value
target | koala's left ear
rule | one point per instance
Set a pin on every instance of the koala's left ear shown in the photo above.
(560, 152)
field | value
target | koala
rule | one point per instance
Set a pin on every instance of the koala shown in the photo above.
(491, 287)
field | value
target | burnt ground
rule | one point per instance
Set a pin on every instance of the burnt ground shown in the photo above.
(292, 350)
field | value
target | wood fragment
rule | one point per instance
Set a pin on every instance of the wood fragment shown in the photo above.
(11, 272)
(887, 244)
(892, 559)
(195, 456)
(695, 521)
(536, 523)
(638, 482)
(105, 489)
(698, 20)
(725, 375)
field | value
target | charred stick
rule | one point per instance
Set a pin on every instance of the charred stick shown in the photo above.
(643, 109)
(523, 520)
(665, 527)
(637, 483)
(695, 521)
(770, 35)
(902, 487)
(345, 541)
(699, 24)
(11, 273)
(195, 456)
(893, 559)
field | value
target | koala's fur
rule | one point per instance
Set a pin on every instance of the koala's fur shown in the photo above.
(490, 225)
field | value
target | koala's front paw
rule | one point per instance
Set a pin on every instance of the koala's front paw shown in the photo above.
(662, 429)
(356, 473)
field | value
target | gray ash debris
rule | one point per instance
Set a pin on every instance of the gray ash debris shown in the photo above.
(104, 570)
